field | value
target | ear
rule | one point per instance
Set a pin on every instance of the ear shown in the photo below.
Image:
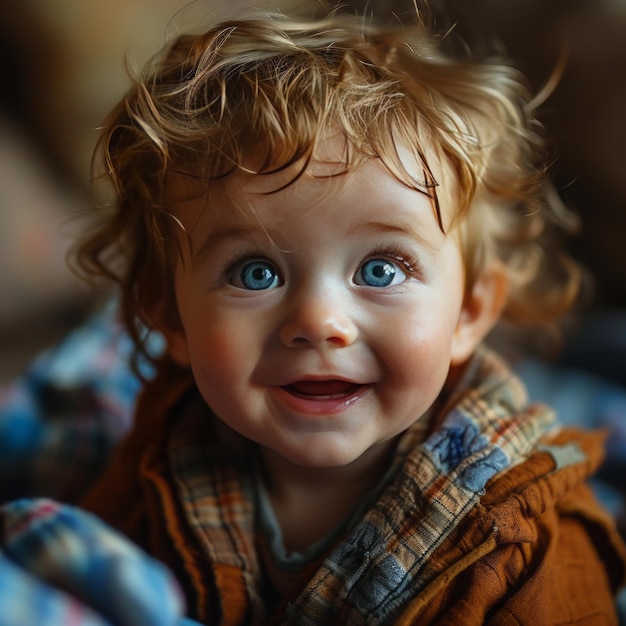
(481, 310)
(169, 325)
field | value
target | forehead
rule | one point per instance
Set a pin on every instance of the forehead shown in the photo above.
(335, 169)
(364, 208)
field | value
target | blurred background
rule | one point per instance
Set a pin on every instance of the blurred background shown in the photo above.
(64, 63)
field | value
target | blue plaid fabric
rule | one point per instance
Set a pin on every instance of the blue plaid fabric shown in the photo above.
(61, 419)
(26, 600)
(60, 566)
(59, 422)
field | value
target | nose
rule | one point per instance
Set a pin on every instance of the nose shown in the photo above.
(319, 321)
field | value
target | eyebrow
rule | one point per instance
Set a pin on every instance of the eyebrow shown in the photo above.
(406, 230)
(248, 232)
(252, 233)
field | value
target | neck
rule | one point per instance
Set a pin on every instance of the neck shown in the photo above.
(310, 502)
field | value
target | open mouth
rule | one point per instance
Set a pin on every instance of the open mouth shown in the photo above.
(322, 389)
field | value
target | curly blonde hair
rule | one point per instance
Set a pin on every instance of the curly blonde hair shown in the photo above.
(269, 80)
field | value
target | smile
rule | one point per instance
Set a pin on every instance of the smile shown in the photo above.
(320, 397)
(321, 389)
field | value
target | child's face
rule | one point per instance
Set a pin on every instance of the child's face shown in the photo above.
(320, 321)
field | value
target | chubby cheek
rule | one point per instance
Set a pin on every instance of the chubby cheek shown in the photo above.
(218, 355)
(416, 358)
(219, 377)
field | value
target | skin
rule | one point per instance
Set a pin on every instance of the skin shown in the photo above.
(321, 322)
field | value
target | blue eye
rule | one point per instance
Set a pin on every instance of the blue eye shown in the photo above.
(379, 273)
(256, 276)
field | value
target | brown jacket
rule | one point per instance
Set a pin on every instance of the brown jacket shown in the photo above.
(534, 547)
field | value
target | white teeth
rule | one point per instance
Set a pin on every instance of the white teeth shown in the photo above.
(322, 388)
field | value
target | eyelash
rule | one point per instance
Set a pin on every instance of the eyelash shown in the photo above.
(394, 252)
(240, 260)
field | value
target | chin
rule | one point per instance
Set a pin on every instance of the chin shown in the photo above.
(322, 459)
(311, 456)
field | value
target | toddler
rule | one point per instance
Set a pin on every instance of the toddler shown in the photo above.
(324, 218)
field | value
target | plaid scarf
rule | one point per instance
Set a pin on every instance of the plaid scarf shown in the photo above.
(383, 561)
